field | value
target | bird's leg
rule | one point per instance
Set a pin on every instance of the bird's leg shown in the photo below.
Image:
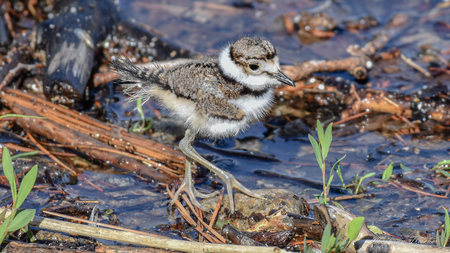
(188, 185)
(228, 179)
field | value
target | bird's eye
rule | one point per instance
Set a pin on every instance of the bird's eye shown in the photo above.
(253, 66)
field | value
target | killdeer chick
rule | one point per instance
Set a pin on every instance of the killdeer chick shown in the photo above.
(215, 97)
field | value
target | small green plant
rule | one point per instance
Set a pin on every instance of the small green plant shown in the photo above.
(338, 244)
(331, 243)
(18, 218)
(321, 149)
(337, 167)
(145, 123)
(443, 168)
(388, 172)
(361, 179)
(443, 237)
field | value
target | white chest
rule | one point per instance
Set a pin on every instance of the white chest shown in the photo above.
(254, 107)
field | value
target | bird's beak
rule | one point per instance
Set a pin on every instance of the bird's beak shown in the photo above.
(284, 79)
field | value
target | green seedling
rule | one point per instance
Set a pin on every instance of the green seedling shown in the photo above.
(443, 237)
(337, 167)
(338, 244)
(18, 218)
(443, 168)
(442, 165)
(306, 249)
(321, 149)
(26, 154)
(354, 227)
(361, 179)
(388, 172)
(145, 124)
(329, 243)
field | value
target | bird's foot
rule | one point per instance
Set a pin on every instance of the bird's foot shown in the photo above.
(188, 186)
(231, 183)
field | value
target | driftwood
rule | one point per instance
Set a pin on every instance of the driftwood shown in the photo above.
(107, 143)
(151, 241)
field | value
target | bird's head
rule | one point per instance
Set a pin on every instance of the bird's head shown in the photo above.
(253, 62)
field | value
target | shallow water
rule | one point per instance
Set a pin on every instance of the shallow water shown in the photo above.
(207, 26)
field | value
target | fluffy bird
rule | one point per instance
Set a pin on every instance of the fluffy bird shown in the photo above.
(215, 97)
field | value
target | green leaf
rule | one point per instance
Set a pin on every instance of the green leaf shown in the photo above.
(329, 181)
(139, 108)
(388, 172)
(447, 227)
(316, 150)
(30, 235)
(443, 172)
(4, 225)
(368, 175)
(375, 229)
(404, 167)
(338, 170)
(354, 227)
(326, 237)
(24, 154)
(24, 229)
(9, 172)
(305, 245)
(342, 245)
(321, 199)
(20, 116)
(320, 132)
(22, 218)
(337, 240)
(139, 102)
(327, 141)
(337, 163)
(331, 244)
(26, 185)
(445, 162)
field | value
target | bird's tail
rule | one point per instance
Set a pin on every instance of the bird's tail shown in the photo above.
(137, 82)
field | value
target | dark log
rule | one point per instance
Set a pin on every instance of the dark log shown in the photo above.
(72, 40)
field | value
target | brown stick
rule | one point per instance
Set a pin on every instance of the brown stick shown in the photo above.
(12, 146)
(13, 73)
(49, 154)
(109, 134)
(58, 132)
(359, 62)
